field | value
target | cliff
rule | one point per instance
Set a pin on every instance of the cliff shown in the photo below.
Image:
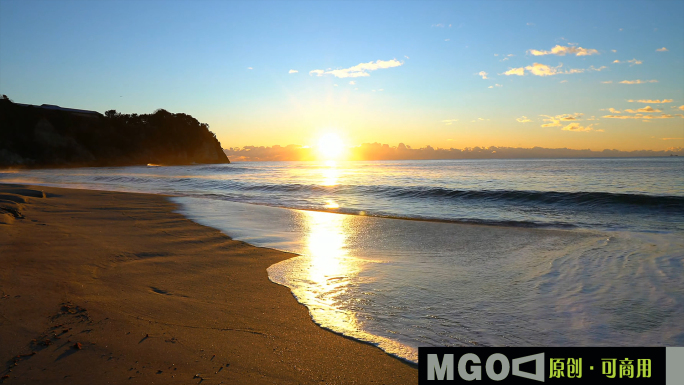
(51, 136)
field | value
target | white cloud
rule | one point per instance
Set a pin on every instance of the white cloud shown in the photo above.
(613, 50)
(638, 81)
(634, 62)
(562, 51)
(523, 119)
(495, 85)
(607, 82)
(616, 61)
(359, 70)
(483, 74)
(352, 82)
(530, 23)
(293, 72)
(447, 39)
(250, 68)
(406, 57)
(449, 122)
(657, 101)
(539, 69)
(564, 81)
(543, 70)
(515, 71)
(335, 85)
(438, 25)
(661, 49)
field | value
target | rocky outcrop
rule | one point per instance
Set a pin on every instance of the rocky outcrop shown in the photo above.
(36, 136)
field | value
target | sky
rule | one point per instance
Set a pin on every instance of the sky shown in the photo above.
(582, 75)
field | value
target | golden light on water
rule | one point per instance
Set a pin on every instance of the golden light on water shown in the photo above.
(330, 265)
(330, 174)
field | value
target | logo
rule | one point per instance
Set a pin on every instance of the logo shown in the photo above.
(624, 365)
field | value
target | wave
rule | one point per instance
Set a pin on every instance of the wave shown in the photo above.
(585, 199)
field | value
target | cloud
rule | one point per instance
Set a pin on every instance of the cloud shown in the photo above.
(359, 70)
(638, 81)
(352, 82)
(530, 23)
(607, 82)
(250, 68)
(406, 57)
(680, 107)
(613, 50)
(523, 119)
(543, 70)
(650, 101)
(539, 69)
(576, 127)
(634, 62)
(562, 51)
(495, 85)
(555, 121)
(616, 61)
(448, 122)
(292, 72)
(447, 39)
(644, 109)
(483, 74)
(515, 71)
(642, 116)
(671, 138)
(563, 81)
(440, 25)
(661, 49)
(614, 111)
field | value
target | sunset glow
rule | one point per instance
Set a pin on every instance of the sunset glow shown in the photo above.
(330, 147)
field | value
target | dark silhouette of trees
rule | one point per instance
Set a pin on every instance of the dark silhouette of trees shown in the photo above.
(37, 137)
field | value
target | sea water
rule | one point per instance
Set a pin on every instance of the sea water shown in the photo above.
(565, 252)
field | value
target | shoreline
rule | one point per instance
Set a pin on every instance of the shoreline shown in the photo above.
(153, 296)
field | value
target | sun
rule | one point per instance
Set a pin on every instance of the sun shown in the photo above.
(330, 146)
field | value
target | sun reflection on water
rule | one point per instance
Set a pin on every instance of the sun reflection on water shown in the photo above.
(326, 278)
(331, 174)
(330, 265)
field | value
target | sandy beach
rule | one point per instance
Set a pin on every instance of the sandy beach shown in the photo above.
(105, 287)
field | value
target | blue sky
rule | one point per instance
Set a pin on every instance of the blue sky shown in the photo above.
(228, 64)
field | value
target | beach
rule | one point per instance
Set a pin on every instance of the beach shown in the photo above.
(111, 287)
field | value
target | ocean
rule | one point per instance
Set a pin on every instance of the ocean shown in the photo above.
(401, 254)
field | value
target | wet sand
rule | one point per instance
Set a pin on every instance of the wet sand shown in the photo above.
(105, 287)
